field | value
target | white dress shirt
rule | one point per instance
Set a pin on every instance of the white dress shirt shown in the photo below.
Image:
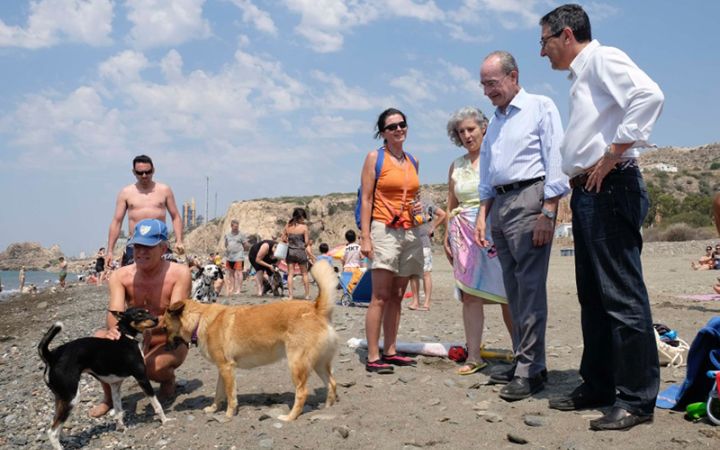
(521, 144)
(611, 101)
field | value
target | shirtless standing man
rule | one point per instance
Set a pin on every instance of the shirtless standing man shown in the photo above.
(152, 283)
(146, 199)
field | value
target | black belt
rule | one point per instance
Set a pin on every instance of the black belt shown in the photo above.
(580, 180)
(516, 185)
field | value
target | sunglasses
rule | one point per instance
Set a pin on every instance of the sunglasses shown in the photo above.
(395, 126)
(143, 172)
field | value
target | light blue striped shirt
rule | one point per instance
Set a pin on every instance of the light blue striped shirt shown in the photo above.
(521, 144)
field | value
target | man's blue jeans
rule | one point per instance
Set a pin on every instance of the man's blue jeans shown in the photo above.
(620, 358)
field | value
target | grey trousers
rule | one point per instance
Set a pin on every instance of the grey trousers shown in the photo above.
(513, 216)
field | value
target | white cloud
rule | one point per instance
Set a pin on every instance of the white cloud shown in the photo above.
(159, 23)
(415, 87)
(336, 95)
(124, 67)
(426, 11)
(323, 22)
(260, 19)
(333, 127)
(54, 21)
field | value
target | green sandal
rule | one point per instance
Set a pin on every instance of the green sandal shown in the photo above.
(473, 367)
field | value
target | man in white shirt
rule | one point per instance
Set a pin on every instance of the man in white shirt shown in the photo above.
(520, 184)
(613, 107)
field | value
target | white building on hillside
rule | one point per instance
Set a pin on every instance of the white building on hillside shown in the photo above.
(660, 167)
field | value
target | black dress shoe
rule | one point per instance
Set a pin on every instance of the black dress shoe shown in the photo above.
(581, 398)
(619, 419)
(506, 376)
(521, 387)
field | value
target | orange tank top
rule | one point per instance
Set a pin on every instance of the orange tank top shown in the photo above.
(390, 184)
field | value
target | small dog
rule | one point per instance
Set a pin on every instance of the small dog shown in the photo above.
(203, 288)
(274, 284)
(110, 361)
(251, 336)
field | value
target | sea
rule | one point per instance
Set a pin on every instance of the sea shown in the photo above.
(41, 279)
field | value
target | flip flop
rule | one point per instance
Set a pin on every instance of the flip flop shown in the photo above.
(424, 308)
(412, 308)
(473, 367)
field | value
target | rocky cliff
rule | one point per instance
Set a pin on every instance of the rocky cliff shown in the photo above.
(29, 254)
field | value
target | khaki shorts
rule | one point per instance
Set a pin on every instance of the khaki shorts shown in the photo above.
(397, 250)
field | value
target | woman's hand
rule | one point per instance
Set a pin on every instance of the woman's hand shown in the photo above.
(366, 248)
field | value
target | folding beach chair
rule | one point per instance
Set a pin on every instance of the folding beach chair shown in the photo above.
(362, 292)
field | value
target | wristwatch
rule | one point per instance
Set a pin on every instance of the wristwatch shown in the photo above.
(549, 214)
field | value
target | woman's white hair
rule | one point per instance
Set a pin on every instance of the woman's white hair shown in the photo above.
(467, 112)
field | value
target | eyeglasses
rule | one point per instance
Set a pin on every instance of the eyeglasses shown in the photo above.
(394, 126)
(143, 172)
(544, 41)
(490, 84)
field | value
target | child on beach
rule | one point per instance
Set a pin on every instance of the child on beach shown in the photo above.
(351, 259)
(324, 249)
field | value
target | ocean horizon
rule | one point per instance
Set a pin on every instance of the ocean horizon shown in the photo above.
(40, 278)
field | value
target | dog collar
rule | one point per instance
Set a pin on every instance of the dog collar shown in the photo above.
(194, 337)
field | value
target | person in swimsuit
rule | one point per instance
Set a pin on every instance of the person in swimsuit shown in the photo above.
(298, 238)
(100, 265)
(63, 271)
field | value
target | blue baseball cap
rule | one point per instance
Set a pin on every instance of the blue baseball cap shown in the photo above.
(149, 232)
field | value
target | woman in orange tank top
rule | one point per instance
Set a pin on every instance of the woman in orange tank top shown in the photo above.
(389, 238)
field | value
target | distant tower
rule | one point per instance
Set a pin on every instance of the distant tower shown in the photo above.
(185, 218)
(193, 214)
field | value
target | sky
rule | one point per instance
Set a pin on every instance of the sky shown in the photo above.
(246, 99)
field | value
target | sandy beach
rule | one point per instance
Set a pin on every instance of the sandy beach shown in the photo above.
(424, 407)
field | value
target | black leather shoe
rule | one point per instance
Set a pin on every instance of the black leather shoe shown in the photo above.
(580, 398)
(521, 387)
(506, 376)
(618, 419)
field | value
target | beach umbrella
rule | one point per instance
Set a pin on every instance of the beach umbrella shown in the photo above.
(338, 251)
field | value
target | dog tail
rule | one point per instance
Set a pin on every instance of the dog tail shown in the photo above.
(43, 349)
(326, 279)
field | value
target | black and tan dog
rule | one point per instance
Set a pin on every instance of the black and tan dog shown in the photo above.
(110, 361)
(251, 336)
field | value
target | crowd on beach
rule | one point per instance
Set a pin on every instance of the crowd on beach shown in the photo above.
(503, 193)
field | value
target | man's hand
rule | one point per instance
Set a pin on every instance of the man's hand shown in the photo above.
(108, 259)
(543, 231)
(113, 333)
(599, 171)
(480, 232)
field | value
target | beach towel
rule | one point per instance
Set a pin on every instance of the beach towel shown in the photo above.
(701, 297)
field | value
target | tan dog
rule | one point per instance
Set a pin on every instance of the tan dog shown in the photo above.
(251, 336)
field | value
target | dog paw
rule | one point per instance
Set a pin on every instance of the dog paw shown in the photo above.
(285, 418)
(210, 409)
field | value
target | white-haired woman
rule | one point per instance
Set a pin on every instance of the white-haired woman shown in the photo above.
(477, 271)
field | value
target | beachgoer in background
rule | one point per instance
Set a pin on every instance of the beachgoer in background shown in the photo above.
(351, 259)
(234, 243)
(706, 262)
(21, 279)
(477, 271)
(100, 266)
(427, 231)
(145, 199)
(310, 255)
(155, 284)
(297, 235)
(716, 257)
(261, 257)
(324, 249)
(613, 107)
(521, 184)
(63, 271)
(389, 238)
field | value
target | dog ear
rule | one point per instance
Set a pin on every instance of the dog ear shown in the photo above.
(176, 309)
